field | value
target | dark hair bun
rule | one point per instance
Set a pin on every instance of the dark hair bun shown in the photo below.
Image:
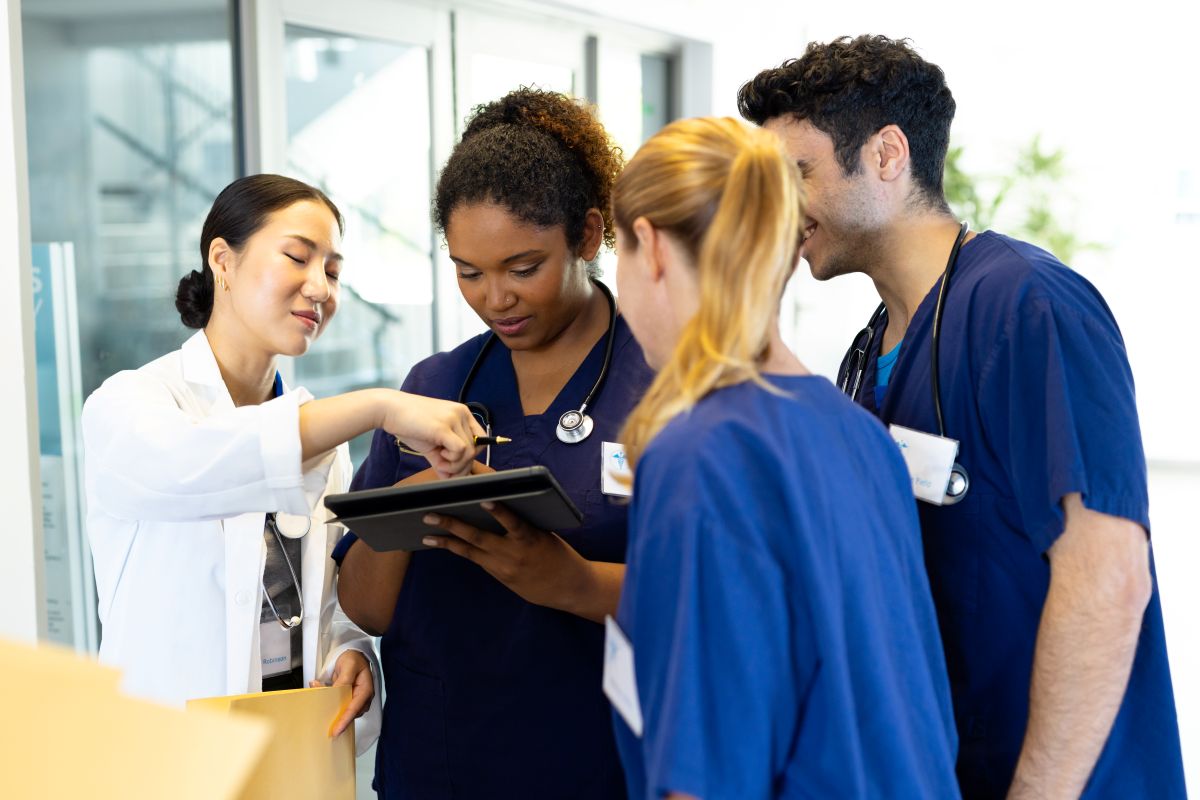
(194, 298)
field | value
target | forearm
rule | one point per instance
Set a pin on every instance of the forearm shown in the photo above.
(326, 423)
(1085, 649)
(598, 593)
(369, 584)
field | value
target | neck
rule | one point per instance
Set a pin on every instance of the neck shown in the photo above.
(249, 375)
(580, 333)
(780, 359)
(916, 257)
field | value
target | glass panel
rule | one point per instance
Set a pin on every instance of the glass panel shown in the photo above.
(130, 137)
(494, 76)
(358, 116)
(657, 92)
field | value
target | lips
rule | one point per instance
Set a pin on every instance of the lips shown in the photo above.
(312, 319)
(510, 326)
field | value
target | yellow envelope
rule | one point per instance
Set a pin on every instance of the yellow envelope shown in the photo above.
(68, 733)
(301, 761)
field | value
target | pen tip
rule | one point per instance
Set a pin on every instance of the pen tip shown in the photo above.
(502, 440)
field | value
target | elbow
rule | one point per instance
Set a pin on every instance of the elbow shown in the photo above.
(1134, 589)
(361, 614)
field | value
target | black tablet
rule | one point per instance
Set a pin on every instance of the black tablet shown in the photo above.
(390, 518)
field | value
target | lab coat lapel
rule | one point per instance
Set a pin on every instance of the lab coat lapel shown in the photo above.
(245, 559)
(316, 578)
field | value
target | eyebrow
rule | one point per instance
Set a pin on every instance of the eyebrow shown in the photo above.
(514, 257)
(333, 254)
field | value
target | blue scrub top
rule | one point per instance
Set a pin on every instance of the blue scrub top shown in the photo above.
(1037, 389)
(784, 641)
(489, 695)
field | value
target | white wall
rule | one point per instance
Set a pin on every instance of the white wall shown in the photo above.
(20, 535)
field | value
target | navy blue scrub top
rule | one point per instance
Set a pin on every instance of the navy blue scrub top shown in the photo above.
(1037, 389)
(488, 695)
(784, 641)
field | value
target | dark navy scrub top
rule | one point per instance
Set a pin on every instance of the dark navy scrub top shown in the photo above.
(1036, 387)
(784, 641)
(487, 695)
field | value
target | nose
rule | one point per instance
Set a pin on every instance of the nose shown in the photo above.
(316, 283)
(497, 295)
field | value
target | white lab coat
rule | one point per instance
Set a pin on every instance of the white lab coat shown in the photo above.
(178, 483)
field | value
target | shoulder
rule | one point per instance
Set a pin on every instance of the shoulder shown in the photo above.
(160, 377)
(441, 374)
(1013, 279)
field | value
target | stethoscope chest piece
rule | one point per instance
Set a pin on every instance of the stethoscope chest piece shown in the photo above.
(574, 426)
(292, 526)
(956, 487)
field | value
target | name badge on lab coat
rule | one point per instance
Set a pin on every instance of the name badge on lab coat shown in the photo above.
(275, 647)
(615, 478)
(620, 684)
(929, 459)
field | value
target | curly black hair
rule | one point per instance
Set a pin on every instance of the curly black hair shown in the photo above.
(542, 155)
(851, 88)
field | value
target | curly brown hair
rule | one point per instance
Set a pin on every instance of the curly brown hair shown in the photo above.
(542, 155)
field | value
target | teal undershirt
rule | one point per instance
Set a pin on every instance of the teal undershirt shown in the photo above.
(883, 372)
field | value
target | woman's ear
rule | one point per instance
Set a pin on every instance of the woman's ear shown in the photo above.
(651, 248)
(593, 235)
(221, 258)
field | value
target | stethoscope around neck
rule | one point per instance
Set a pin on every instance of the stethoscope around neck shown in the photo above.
(573, 426)
(856, 365)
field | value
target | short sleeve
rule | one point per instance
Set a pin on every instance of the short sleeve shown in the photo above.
(1057, 405)
(716, 678)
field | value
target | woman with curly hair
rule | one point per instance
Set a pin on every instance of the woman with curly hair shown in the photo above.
(492, 645)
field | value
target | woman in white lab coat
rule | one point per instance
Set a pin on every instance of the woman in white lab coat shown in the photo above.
(205, 475)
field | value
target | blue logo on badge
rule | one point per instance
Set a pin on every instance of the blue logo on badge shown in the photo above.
(620, 459)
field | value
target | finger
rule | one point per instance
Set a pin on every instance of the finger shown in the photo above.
(516, 527)
(314, 684)
(468, 533)
(359, 699)
(456, 546)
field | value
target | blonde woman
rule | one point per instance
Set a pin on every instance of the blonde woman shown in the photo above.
(775, 636)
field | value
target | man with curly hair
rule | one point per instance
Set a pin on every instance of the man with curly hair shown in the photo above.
(1042, 575)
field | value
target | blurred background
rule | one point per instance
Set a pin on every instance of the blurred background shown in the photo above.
(1073, 131)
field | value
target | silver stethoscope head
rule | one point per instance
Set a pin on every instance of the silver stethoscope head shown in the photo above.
(956, 487)
(292, 526)
(574, 426)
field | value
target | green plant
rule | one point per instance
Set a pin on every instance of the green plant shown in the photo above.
(1035, 182)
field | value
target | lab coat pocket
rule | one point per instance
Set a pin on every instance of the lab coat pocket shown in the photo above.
(415, 730)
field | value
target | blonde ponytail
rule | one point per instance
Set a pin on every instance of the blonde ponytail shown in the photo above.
(732, 199)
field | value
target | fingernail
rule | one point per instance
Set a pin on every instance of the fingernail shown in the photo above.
(430, 541)
(488, 505)
(431, 519)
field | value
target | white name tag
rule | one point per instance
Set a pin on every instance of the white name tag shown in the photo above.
(620, 684)
(929, 459)
(275, 647)
(616, 479)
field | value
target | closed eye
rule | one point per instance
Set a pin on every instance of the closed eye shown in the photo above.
(525, 273)
(294, 258)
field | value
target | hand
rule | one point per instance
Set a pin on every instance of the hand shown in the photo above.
(354, 670)
(538, 565)
(442, 431)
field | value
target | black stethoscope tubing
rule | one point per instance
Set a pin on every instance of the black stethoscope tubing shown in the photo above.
(580, 414)
(959, 482)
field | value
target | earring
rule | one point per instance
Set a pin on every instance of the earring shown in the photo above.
(220, 281)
